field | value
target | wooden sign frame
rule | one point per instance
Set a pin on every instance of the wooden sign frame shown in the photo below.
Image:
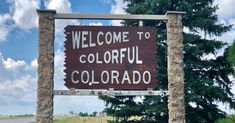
(45, 91)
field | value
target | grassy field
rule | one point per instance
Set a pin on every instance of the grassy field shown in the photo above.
(67, 119)
(74, 119)
(14, 117)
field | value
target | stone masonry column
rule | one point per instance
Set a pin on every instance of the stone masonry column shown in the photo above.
(175, 67)
(45, 66)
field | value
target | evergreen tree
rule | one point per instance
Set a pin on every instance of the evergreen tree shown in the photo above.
(206, 79)
(231, 54)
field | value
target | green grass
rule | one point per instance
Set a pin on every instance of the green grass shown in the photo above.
(77, 119)
(228, 119)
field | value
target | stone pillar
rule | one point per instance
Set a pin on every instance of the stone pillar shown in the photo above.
(175, 64)
(45, 66)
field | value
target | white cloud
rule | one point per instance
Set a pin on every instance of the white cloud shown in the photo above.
(34, 64)
(17, 82)
(106, 1)
(225, 107)
(61, 6)
(18, 87)
(18, 79)
(226, 8)
(118, 8)
(228, 37)
(231, 21)
(77, 104)
(209, 56)
(10, 64)
(59, 70)
(4, 29)
(24, 16)
(24, 13)
(3, 33)
(96, 24)
(22, 89)
(226, 16)
(4, 18)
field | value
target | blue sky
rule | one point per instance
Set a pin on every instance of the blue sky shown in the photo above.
(18, 50)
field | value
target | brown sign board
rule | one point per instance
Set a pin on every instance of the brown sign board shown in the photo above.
(105, 57)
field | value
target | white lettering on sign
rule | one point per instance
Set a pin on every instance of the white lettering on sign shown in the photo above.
(136, 75)
(131, 59)
(112, 77)
(107, 57)
(81, 59)
(148, 78)
(122, 55)
(76, 40)
(97, 59)
(114, 56)
(146, 35)
(117, 37)
(72, 77)
(98, 38)
(91, 58)
(126, 78)
(85, 77)
(84, 38)
(103, 74)
(140, 35)
(93, 80)
(125, 36)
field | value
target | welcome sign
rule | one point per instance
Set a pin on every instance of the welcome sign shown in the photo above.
(104, 57)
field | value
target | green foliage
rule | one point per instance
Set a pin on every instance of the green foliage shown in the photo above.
(206, 79)
(231, 54)
(229, 119)
(83, 114)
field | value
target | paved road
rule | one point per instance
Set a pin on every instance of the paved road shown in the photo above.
(20, 120)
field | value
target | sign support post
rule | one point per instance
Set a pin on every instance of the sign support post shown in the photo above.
(175, 64)
(45, 66)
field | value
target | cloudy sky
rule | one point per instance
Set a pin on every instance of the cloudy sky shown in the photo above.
(18, 50)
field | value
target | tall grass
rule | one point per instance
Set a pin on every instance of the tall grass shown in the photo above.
(77, 119)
